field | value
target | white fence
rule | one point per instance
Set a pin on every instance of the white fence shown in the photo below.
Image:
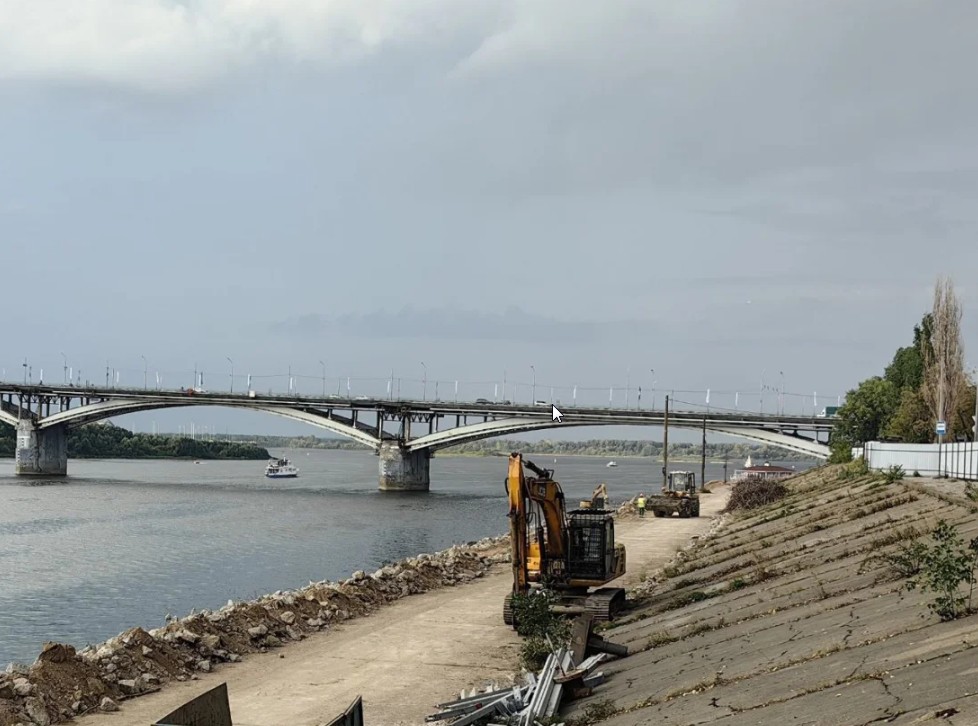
(959, 460)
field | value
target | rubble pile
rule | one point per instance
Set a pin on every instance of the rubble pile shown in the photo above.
(63, 683)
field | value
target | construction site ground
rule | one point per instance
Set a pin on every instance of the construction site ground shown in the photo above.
(780, 619)
(406, 657)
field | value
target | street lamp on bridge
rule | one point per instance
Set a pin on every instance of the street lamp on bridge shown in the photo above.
(424, 382)
(782, 393)
(323, 364)
(760, 393)
(652, 371)
(145, 372)
(533, 390)
(231, 389)
(66, 366)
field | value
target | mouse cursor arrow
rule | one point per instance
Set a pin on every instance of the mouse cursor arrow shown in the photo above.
(557, 414)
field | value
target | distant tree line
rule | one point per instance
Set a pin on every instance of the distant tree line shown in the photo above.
(107, 441)
(592, 447)
(923, 384)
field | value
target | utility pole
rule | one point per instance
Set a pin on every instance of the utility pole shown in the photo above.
(703, 462)
(726, 455)
(665, 449)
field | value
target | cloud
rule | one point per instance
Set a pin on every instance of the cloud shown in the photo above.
(451, 324)
(163, 45)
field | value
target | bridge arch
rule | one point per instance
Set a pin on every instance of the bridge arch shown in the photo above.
(92, 412)
(499, 427)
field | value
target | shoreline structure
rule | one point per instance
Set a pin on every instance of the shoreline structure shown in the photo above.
(65, 683)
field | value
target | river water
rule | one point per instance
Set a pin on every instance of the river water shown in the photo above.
(122, 543)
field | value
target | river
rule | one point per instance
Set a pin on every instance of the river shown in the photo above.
(122, 543)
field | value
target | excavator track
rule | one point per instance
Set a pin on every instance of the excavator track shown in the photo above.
(602, 604)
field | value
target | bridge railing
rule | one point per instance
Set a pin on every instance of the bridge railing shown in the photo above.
(610, 398)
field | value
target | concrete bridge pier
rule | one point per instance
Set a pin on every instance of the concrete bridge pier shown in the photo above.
(402, 470)
(41, 452)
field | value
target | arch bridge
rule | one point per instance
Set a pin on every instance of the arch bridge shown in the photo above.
(405, 434)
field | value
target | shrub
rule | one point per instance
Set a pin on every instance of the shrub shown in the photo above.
(537, 623)
(947, 565)
(893, 474)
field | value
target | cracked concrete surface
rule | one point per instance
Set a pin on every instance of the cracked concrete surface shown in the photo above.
(780, 619)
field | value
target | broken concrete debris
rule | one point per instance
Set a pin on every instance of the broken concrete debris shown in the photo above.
(64, 683)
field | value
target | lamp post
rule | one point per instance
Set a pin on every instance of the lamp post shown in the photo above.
(66, 366)
(145, 373)
(652, 371)
(424, 382)
(782, 393)
(231, 387)
(628, 383)
(533, 390)
(761, 389)
(25, 371)
(323, 364)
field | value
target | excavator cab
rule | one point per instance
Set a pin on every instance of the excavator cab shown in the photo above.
(593, 558)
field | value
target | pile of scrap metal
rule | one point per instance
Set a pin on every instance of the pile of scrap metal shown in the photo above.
(567, 674)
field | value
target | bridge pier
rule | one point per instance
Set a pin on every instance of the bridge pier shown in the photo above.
(41, 452)
(402, 470)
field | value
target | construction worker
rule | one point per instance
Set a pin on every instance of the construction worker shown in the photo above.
(640, 503)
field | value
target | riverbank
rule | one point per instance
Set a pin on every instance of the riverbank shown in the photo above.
(446, 636)
(63, 683)
(108, 441)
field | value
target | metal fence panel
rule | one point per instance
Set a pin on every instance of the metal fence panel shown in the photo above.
(956, 460)
(352, 716)
(208, 709)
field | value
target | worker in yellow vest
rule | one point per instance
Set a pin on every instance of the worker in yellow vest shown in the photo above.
(640, 503)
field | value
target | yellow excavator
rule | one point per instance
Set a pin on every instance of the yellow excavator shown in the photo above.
(598, 500)
(566, 553)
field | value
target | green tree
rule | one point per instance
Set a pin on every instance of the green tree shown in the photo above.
(911, 422)
(907, 368)
(864, 415)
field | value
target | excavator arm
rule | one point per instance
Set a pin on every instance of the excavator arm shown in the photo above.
(542, 490)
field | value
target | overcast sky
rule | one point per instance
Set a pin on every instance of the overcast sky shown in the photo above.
(596, 189)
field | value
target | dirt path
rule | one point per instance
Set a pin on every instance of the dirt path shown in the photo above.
(403, 659)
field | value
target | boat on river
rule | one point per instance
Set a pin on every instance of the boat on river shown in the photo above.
(281, 469)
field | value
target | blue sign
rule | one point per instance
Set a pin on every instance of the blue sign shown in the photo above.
(941, 428)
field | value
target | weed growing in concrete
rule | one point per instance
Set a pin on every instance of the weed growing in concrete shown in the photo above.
(595, 713)
(947, 565)
(660, 638)
(853, 470)
(971, 491)
(893, 474)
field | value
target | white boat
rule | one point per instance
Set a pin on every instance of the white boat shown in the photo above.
(612, 463)
(281, 469)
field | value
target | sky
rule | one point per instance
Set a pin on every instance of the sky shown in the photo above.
(632, 193)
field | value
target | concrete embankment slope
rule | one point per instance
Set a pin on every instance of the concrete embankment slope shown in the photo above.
(781, 619)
